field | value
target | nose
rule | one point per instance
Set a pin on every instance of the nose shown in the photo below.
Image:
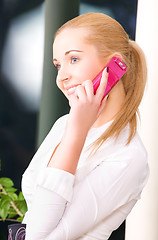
(63, 75)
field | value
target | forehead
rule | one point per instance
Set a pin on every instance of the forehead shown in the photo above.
(70, 38)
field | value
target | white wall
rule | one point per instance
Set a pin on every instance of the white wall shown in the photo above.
(142, 223)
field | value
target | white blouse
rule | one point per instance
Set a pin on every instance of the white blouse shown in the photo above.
(93, 202)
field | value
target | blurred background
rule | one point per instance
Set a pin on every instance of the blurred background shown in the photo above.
(23, 63)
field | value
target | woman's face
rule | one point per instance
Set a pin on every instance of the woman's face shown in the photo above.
(75, 59)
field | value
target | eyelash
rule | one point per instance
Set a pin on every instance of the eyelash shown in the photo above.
(74, 58)
(58, 66)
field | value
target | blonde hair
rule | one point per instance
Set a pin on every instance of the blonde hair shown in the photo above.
(109, 37)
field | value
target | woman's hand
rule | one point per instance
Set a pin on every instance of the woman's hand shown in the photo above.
(85, 106)
(85, 109)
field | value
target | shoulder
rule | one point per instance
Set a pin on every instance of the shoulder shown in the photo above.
(118, 146)
(138, 167)
(129, 156)
(135, 151)
(136, 158)
(132, 160)
(55, 133)
(60, 122)
(135, 145)
(57, 129)
(59, 126)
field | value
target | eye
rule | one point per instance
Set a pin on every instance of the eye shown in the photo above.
(58, 66)
(74, 59)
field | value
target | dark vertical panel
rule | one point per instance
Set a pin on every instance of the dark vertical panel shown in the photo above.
(53, 103)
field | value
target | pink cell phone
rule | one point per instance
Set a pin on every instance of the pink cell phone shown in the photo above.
(116, 70)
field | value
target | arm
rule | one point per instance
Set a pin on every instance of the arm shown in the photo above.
(67, 153)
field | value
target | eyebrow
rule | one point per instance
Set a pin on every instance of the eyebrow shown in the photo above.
(72, 51)
(67, 52)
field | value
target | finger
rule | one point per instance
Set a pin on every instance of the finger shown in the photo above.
(71, 99)
(88, 85)
(80, 92)
(71, 90)
(103, 83)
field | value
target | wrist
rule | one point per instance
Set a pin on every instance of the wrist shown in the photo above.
(75, 132)
(77, 127)
(75, 135)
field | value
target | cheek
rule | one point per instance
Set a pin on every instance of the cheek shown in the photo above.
(91, 71)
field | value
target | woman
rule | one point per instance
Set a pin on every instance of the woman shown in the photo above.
(90, 170)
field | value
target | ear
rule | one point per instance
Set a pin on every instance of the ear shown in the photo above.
(116, 54)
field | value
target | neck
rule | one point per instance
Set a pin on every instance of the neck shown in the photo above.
(113, 105)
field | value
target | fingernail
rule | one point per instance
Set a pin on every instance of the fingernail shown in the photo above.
(107, 69)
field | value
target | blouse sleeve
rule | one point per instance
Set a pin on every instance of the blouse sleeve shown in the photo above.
(64, 210)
